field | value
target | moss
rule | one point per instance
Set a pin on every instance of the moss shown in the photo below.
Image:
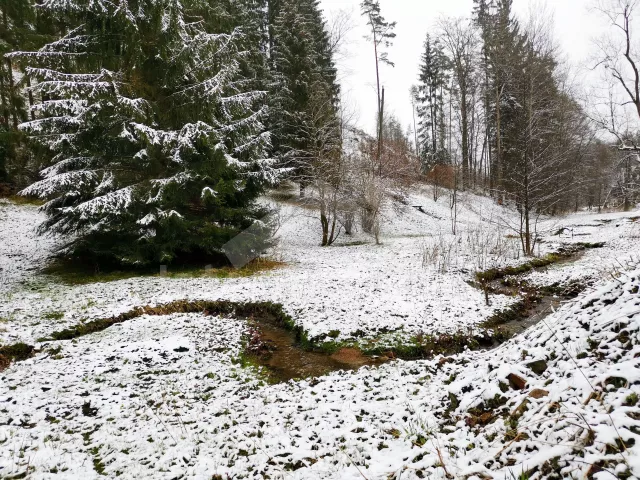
(428, 346)
(510, 314)
(631, 400)
(17, 351)
(492, 274)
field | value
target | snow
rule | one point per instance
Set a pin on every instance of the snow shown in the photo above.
(164, 397)
(23, 251)
(355, 286)
(348, 288)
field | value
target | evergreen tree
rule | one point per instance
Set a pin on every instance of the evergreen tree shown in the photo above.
(157, 142)
(433, 82)
(20, 28)
(304, 83)
(503, 49)
(382, 35)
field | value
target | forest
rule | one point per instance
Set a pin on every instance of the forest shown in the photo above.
(150, 128)
(212, 266)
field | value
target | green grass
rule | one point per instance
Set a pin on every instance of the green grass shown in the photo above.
(492, 274)
(17, 351)
(428, 346)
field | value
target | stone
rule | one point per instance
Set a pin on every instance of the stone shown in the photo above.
(516, 381)
(538, 367)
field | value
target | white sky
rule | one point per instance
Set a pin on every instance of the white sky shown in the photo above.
(575, 26)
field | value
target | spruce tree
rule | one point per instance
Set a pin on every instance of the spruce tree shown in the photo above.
(21, 27)
(304, 82)
(433, 82)
(157, 142)
(503, 48)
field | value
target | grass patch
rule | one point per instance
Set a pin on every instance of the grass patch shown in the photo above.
(78, 273)
(265, 311)
(429, 346)
(565, 253)
(492, 274)
(510, 314)
(15, 352)
(20, 200)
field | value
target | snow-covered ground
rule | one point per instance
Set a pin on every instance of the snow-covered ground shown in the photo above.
(162, 397)
(22, 252)
(351, 287)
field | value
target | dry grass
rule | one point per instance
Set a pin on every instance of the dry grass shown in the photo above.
(79, 274)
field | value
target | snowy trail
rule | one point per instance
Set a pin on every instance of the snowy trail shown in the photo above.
(22, 251)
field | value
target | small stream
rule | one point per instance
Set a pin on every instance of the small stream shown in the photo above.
(276, 348)
(536, 302)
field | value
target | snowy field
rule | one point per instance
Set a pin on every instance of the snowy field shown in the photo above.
(165, 398)
(349, 288)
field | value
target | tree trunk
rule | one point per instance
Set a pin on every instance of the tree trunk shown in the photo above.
(33, 114)
(465, 139)
(5, 107)
(498, 148)
(14, 110)
(325, 229)
(380, 132)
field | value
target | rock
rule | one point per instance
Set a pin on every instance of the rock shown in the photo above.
(538, 393)
(516, 381)
(538, 367)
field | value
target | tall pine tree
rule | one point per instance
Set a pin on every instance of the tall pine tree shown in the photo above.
(156, 135)
(433, 82)
(21, 27)
(503, 49)
(304, 82)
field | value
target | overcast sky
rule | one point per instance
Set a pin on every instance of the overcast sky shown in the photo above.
(574, 27)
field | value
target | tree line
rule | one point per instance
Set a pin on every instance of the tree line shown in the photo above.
(151, 127)
(496, 108)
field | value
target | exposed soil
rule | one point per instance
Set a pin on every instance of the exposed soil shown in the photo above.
(276, 348)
